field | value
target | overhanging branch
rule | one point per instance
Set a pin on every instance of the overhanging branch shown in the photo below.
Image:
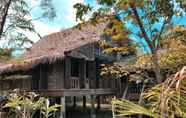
(141, 27)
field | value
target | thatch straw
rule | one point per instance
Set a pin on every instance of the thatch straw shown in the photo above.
(53, 47)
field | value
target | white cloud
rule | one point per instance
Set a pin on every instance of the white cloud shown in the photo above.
(65, 12)
(66, 15)
(71, 11)
(41, 28)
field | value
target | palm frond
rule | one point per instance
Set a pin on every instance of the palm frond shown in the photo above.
(126, 108)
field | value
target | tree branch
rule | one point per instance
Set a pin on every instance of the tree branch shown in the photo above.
(142, 27)
(4, 17)
(161, 31)
(158, 36)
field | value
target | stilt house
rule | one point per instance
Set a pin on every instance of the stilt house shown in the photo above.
(65, 63)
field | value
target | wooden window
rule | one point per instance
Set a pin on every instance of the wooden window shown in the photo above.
(74, 67)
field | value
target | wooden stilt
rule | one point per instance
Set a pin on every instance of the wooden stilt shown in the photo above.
(98, 102)
(62, 113)
(92, 113)
(74, 101)
(84, 101)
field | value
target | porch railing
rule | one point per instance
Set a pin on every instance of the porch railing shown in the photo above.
(74, 82)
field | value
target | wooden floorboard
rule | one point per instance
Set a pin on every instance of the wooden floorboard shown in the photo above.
(76, 92)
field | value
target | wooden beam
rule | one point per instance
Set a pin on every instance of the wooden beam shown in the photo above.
(76, 92)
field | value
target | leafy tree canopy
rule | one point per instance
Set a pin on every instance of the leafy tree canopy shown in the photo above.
(144, 22)
(16, 18)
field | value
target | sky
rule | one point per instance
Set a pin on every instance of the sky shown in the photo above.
(66, 17)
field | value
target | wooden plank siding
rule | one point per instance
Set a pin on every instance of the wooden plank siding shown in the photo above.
(56, 76)
(43, 77)
(35, 78)
(67, 72)
(56, 80)
(92, 74)
(24, 84)
(82, 73)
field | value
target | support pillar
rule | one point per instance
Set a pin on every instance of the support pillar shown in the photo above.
(84, 101)
(92, 113)
(74, 101)
(98, 102)
(63, 111)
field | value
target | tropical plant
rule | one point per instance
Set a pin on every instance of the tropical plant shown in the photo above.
(165, 100)
(123, 107)
(25, 105)
(48, 110)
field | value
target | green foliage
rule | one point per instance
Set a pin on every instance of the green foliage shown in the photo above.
(143, 15)
(164, 100)
(115, 71)
(81, 10)
(126, 108)
(153, 12)
(27, 103)
(172, 52)
(5, 54)
(47, 110)
(23, 105)
(106, 2)
(119, 43)
(16, 19)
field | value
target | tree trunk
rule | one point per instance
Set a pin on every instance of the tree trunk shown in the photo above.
(4, 16)
(156, 67)
(149, 43)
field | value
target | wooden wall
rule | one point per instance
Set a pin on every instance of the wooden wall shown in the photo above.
(24, 84)
(56, 75)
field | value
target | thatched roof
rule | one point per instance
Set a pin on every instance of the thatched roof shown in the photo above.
(54, 46)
